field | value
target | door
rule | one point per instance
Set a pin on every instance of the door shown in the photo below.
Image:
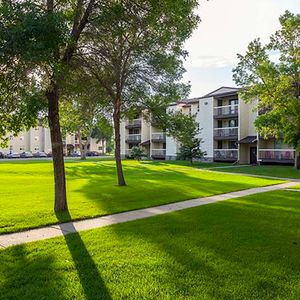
(253, 155)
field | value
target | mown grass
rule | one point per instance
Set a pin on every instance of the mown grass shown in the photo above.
(266, 170)
(26, 193)
(246, 248)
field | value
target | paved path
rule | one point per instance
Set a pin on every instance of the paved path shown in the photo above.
(47, 232)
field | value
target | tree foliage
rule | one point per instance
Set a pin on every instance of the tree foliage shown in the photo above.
(275, 82)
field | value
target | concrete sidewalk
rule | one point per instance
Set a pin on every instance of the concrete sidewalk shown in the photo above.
(8, 240)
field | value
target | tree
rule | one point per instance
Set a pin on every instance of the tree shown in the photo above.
(43, 36)
(184, 129)
(137, 153)
(275, 83)
(135, 55)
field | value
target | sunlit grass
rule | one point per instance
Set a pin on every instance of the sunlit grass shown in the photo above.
(26, 194)
(246, 248)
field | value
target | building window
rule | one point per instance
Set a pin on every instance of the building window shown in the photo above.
(232, 145)
(220, 145)
(99, 148)
(220, 123)
(198, 107)
(36, 148)
(220, 102)
(233, 123)
(22, 148)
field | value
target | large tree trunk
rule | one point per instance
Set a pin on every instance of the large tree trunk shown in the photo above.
(52, 95)
(116, 118)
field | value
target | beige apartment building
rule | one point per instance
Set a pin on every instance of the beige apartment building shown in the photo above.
(227, 131)
(38, 139)
(138, 132)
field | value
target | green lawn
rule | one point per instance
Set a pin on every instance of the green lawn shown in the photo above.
(26, 193)
(267, 170)
(246, 248)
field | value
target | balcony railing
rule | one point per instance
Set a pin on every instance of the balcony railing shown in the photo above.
(226, 111)
(134, 138)
(158, 137)
(226, 132)
(158, 152)
(136, 123)
(276, 155)
(226, 154)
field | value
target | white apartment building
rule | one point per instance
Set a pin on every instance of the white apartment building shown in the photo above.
(227, 131)
(38, 139)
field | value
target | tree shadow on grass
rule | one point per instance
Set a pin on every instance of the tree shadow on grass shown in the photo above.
(90, 278)
(19, 278)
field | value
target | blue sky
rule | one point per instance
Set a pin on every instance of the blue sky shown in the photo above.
(226, 29)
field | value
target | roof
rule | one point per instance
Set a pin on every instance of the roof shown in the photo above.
(145, 143)
(248, 140)
(222, 90)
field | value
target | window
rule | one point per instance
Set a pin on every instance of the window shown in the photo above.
(233, 123)
(233, 101)
(220, 145)
(198, 106)
(220, 123)
(100, 148)
(232, 145)
(220, 102)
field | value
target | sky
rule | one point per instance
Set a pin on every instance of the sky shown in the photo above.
(226, 28)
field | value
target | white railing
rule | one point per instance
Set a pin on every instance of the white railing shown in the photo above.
(226, 154)
(133, 137)
(134, 122)
(226, 131)
(158, 152)
(161, 136)
(276, 154)
(226, 110)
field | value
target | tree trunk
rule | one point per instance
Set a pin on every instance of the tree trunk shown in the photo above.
(116, 118)
(81, 146)
(297, 160)
(60, 202)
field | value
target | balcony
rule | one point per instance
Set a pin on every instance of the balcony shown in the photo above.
(228, 111)
(158, 153)
(158, 137)
(226, 133)
(131, 124)
(230, 155)
(133, 138)
(285, 156)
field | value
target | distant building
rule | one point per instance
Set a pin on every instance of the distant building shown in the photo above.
(38, 139)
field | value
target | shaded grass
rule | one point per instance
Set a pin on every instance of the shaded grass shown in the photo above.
(274, 171)
(245, 248)
(26, 193)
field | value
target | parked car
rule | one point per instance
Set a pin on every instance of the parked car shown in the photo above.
(13, 155)
(26, 154)
(92, 153)
(75, 154)
(2, 155)
(40, 154)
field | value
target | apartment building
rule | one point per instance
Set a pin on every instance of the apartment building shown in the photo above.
(227, 131)
(138, 132)
(38, 139)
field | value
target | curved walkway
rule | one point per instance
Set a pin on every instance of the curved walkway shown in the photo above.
(8, 240)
